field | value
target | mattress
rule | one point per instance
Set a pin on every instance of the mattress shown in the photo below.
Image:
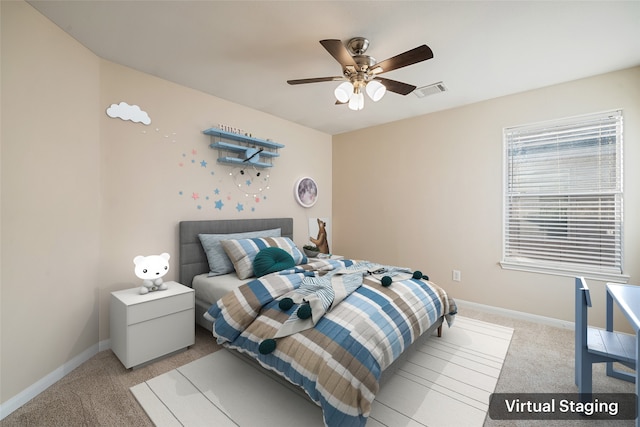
(210, 289)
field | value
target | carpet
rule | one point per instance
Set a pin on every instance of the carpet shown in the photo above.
(454, 374)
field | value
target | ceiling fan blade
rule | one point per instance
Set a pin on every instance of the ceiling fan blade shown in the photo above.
(410, 57)
(396, 86)
(315, 80)
(337, 49)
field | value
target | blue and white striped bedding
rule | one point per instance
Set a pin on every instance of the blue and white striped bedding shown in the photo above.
(339, 361)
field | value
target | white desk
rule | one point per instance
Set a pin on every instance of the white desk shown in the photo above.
(627, 297)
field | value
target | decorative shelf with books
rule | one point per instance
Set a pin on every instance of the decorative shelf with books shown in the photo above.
(241, 149)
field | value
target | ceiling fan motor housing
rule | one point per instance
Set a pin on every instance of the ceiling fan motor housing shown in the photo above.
(363, 72)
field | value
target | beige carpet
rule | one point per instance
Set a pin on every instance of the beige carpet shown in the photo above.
(452, 375)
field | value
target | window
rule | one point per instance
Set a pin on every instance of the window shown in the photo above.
(563, 197)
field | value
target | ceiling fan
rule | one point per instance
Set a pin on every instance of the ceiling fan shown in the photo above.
(362, 73)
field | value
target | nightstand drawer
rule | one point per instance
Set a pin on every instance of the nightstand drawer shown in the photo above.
(160, 336)
(160, 307)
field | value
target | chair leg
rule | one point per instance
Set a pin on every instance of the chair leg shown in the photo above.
(577, 367)
(585, 384)
(581, 357)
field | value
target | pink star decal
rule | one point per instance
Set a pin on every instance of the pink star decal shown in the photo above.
(194, 151)
(195, 196)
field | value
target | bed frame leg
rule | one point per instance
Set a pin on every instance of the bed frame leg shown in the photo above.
(440, 331)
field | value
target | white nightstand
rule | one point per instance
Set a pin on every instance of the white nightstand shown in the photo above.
(145, 327)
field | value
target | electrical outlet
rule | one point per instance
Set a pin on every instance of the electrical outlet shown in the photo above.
(456, 275)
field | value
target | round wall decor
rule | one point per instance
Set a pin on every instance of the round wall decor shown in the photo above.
(306, 192)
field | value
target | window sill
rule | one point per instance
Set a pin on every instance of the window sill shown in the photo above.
(594, 275)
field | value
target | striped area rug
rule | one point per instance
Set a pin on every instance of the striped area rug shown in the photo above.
(445, 382)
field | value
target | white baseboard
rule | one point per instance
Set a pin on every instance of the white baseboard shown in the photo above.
(550, 321)
(44, 383)
(104, 345)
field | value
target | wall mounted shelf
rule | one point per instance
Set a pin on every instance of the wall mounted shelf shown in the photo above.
(248, 150)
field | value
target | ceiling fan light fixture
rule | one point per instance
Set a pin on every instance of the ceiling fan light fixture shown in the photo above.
(344, 91)
(375, 90)
(356, 102)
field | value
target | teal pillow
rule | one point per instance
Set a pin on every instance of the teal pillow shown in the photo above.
(270, 260)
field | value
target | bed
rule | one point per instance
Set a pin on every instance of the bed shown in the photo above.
(350, 340)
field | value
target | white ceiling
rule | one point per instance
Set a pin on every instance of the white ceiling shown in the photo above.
(246, 51)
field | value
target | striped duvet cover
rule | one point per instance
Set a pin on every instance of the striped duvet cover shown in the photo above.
(338, 362)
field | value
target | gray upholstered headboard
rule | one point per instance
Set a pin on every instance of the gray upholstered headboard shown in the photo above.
(193, 260)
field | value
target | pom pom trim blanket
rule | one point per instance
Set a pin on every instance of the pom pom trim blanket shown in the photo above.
(338, 361)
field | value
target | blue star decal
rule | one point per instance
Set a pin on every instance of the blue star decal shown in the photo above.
(248, 182)
(239, 207)
(203, 164)
(219, 204)
(216, 191)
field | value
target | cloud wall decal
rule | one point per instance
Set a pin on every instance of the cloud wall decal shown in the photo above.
(125, 111)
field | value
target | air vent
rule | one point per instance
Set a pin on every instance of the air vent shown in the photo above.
(431, 89)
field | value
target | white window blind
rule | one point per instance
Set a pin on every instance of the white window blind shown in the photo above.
(563, 196)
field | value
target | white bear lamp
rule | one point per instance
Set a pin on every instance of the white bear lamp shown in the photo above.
(151, 269)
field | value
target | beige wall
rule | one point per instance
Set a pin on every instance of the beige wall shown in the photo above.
(427, 193)
(83, 193)
(51, 202)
